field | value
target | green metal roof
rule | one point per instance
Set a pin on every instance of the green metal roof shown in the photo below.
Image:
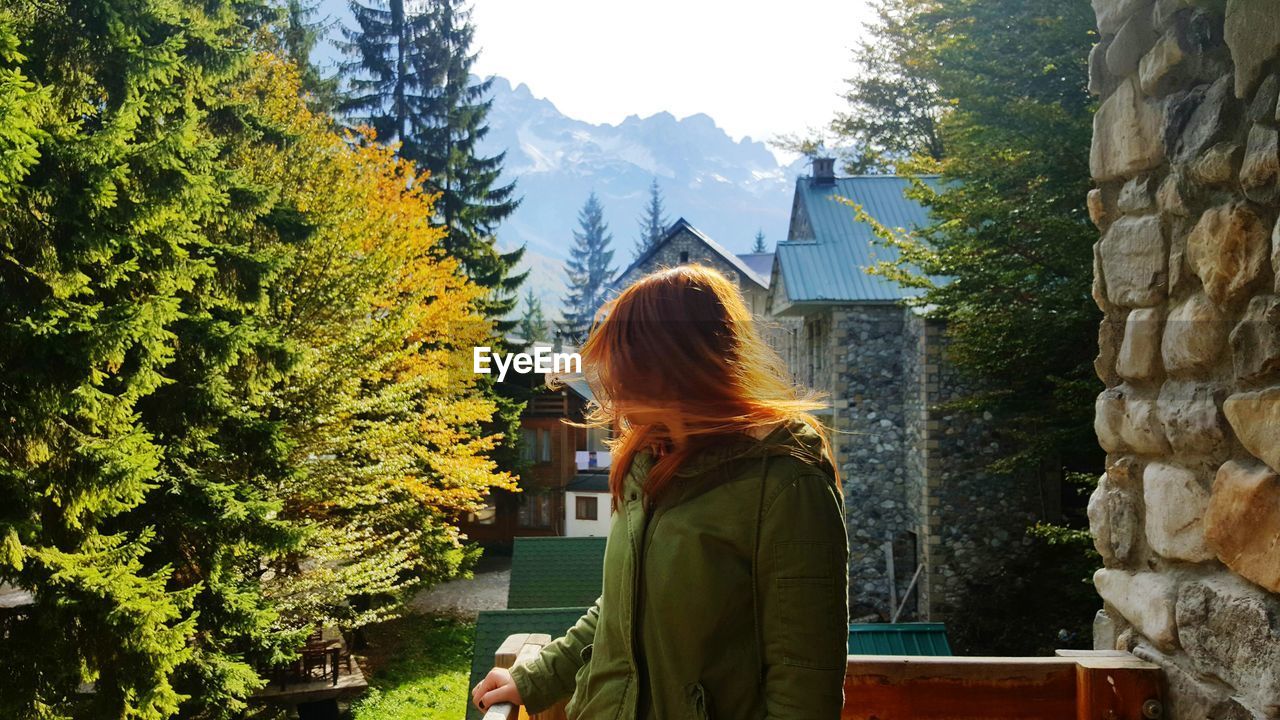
(556, 572)
(494, 626)
(830, 265)
(899, 639)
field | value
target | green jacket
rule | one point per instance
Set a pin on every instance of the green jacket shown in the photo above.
(727, 599)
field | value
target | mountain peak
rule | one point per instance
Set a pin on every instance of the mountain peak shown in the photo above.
(727, 188)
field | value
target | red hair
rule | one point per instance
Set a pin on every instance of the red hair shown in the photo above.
(676, 363)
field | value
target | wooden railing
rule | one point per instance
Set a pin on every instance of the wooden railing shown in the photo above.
(1074, 685)
(517, 649)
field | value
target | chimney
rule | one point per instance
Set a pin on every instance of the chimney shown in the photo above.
(824, 170)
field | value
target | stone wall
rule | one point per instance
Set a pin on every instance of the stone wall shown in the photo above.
(975, 518)
(1187, 516)
(916, 472)
(688, 246)
(869, 419)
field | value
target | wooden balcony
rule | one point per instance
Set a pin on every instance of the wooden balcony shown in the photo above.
(1075, 685)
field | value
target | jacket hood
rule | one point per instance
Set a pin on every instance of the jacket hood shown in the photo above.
(794, 438)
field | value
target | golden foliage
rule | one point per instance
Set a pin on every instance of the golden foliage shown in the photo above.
(383, 410)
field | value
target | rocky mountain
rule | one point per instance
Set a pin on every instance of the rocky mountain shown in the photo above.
(716, 183)
(728, 189)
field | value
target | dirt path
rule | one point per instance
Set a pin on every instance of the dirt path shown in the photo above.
(487, 590)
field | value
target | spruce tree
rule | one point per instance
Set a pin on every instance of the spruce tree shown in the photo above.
(300, 31)
(385, 88)
(412, 83)
(654, 222)
(588, 270)
(533, 321)
(759, 247)
(104, 241)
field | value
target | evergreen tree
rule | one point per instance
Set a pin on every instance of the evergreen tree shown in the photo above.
(533, 322)
(412, 83)
(410, 80)
(759, 247)
(103, 242)
(208, 449)
(300, 31)
(654, 222)
(1013, 237)
(387, 86)
(588, 270)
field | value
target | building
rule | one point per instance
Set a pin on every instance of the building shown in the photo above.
(925, 516)
(587, 505)
(683, 243)
(551, 450)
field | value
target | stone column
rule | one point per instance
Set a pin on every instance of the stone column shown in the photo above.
(1187, 516)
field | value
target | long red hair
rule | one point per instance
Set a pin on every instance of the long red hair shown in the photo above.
(676, 363)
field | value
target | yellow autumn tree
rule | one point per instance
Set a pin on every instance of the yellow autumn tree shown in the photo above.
(384, 415)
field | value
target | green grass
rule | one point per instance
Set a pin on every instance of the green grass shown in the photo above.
(419, 669)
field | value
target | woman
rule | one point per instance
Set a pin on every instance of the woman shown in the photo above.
(725, 580)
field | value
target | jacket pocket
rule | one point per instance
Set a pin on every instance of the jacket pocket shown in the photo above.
(582, 679)
(698, 704)
(815, 612)
(814, 622)
(581, 683)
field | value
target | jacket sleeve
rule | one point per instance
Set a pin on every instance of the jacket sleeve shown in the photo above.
(549, 678)
(802, 582)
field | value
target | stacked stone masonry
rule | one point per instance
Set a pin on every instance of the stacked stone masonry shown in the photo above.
(1186, 164)
(917, 472)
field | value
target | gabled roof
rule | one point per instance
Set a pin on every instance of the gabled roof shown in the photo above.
(493, 627)
(579, 386)
(828, 251)
(683, 225)
(556, 572)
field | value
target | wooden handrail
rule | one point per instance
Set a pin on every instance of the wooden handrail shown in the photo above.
(516, 649)
(1074, 685)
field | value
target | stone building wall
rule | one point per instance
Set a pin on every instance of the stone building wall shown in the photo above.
(971, 518)
(869, 420)
(916, 472)
(977, 518)
(687, 245)
(1187, 516)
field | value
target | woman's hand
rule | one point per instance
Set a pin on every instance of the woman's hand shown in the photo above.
(496, 687)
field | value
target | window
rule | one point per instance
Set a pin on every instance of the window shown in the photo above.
(535, 510)
(816, 351)
(586, 508)
(684, 257)
(544, 448)
(528, 444)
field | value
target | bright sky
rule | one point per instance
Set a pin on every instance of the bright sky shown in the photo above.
(758, 68)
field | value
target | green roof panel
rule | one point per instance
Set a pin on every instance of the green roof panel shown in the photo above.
(830, 266)
(899, 639)
(494, 626)
(556, 572)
